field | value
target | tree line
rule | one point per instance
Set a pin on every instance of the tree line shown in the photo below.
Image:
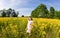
(42, 11)
(9, 13)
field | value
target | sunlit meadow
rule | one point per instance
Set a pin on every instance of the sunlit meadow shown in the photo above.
(42, 28)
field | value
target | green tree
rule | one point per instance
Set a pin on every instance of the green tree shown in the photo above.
(40, 11)
(3, 14)
(9, 11)
(17, 13)
(14, 13)
(52, 12)
(22, 16)
(35, 14)
(57, 14)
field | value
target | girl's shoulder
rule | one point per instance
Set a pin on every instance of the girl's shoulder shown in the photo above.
(31, 21)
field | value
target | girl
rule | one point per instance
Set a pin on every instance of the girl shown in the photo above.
(29, 25)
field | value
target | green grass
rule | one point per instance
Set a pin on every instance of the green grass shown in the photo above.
(42, 28)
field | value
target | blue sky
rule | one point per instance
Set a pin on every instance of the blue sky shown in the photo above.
(25, 7)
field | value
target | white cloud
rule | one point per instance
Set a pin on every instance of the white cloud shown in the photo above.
(1, 4)
(26, 11)
(5, 4)
(54, 4)
(11, 3)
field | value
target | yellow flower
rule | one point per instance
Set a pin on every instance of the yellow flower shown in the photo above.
(57, 37)
(59, 30)
(15, 26)
(44, 32)
(14, 31)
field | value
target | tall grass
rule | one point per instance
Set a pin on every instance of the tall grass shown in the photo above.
(42, 28)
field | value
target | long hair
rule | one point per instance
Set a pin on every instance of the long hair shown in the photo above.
(30, 17)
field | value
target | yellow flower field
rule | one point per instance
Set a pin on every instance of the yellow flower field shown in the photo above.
(42, 28)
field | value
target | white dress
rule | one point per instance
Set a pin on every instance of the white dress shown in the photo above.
(29, 26)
